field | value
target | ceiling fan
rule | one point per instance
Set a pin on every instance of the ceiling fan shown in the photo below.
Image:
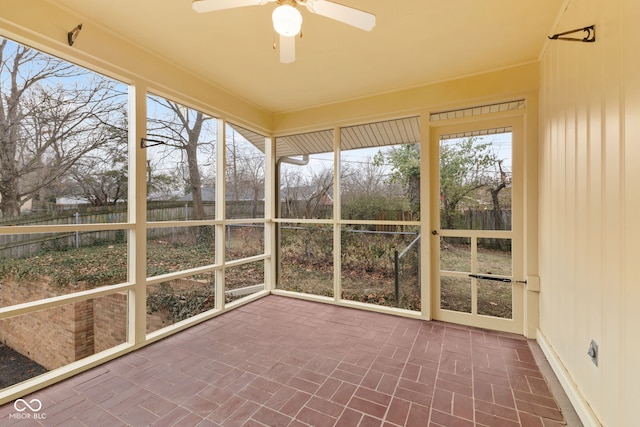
(287, 19)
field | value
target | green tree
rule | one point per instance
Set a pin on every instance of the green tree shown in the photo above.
(405, 170)
(466, 165)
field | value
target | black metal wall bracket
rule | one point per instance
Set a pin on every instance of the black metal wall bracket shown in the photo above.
(496, 279)
(73, 34)
(144, 142)
(590, 37)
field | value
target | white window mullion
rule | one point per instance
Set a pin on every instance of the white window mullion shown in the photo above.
(137, 210)
(270, 201)
(425, 220)
(337, 229)
(220, 239)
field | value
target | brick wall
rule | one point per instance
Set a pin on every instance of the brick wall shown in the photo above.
(58, 336)
(109, 321)
(47, 337)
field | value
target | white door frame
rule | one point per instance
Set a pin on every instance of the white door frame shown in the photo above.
(516, 323)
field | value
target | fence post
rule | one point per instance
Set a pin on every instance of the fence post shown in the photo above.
(396, 263)
(77, 215)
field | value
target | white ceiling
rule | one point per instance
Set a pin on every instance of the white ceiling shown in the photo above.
(415, 42)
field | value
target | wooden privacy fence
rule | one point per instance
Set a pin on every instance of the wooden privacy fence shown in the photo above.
(21, 245)
(476, 219)
(179, 213)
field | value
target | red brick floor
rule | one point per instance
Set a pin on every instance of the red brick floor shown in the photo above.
(286, 362)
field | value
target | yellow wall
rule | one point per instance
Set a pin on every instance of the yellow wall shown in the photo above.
(502, 85)
(590, 208)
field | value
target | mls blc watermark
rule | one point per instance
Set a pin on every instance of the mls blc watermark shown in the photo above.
(28, 410)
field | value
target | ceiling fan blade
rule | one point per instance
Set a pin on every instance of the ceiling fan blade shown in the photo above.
(202, 6)
(347, 15)
(287, 49)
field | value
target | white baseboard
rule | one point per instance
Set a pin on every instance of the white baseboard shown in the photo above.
(580, 404)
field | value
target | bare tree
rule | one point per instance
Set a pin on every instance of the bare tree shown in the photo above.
(366, 179)
(52, 113)
(368, 190)
(499, 183)
(101, 176)
(182, 130)
(245, 173)
(304, 196)
(101, 179)
(161, 183)
(292, 188)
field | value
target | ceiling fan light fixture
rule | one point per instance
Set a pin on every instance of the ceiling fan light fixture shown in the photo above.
(287, 20)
